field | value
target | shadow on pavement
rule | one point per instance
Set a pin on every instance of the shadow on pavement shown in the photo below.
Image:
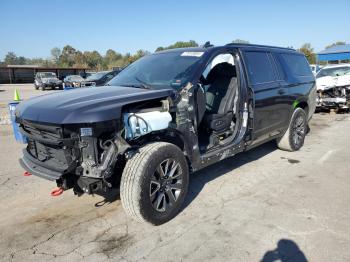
(200, 178)
(287, 250)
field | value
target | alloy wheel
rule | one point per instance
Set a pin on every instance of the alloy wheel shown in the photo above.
(166, 185)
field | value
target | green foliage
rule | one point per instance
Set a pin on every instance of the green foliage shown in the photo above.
(336, 43)
(55, 54)
(308, 52)
(70, 57)
(179, 44)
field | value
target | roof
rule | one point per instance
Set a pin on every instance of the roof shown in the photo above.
(336, 49)
(260, 46)
(238, 45)
(337, 52)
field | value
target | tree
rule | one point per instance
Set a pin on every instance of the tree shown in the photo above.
(240, 41)
(179, 44)
(308, 52)
(93, 59)
(336, 43)
(80, 60)
(10, 58)
(67, 56)
(55, 54)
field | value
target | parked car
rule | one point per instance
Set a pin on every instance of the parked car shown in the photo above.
(333, 87)
(100, 78)
(44, 80)
(73, 80)
(165, 116)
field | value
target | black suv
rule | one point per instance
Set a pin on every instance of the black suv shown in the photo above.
(44, 80)
(100, 78)
(165, 116)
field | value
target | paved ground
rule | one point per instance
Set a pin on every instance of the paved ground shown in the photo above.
(263, 204)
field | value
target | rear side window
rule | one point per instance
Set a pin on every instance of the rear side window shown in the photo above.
(297, 65)
(260, 67)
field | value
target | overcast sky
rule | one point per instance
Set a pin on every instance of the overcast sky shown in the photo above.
(32, 28)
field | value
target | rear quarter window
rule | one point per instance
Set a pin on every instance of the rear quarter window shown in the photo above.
(259, 66)
(296, 65)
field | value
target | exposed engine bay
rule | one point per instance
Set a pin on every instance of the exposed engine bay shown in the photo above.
(333, 87)
(334, 97)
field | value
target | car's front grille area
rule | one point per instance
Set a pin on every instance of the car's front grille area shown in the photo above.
(48, 145)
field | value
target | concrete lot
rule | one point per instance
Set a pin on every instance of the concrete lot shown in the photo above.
(265, 204)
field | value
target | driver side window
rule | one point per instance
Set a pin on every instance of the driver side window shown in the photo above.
(222, 58)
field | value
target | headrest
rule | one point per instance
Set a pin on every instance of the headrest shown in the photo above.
(222, 70)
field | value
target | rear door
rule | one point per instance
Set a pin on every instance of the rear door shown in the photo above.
(270, 112)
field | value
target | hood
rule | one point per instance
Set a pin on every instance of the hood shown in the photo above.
(85, 105)
(326, 82)
(50, 79)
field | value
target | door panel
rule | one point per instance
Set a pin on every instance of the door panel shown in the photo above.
(271, 106)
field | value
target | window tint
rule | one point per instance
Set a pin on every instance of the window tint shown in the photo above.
(260, 68)
(296, 64)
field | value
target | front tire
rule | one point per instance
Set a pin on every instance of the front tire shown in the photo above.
(154, 183)
(294, 137)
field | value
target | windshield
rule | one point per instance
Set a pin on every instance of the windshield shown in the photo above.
(75, 78)
(47, 75)
(159, 70)
(96, 76)
(334, 72)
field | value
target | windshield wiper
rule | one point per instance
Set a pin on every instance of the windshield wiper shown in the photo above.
(143, 83)
(136, 86)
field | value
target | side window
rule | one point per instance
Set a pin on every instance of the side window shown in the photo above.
(260, 67)
(222, 58)
(297, 65)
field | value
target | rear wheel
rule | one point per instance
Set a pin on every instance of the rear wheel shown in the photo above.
(294, 137)
(154, 183)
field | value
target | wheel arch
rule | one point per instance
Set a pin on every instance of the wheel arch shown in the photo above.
(303, 105)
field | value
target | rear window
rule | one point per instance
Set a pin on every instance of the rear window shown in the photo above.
(260, 68)
(297, 65)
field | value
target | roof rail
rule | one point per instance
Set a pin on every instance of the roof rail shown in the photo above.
(263, 46)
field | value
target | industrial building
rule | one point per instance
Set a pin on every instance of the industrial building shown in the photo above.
(25, 73)
(335, 53)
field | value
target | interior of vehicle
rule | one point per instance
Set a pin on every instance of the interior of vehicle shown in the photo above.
(217, 105)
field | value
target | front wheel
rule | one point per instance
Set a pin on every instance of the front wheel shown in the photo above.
(294, 137)
(154, 183)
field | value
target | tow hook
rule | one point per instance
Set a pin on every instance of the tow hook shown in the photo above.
(57, 191)
(27, 173)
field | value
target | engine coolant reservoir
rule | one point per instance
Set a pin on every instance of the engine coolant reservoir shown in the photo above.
(139, 124)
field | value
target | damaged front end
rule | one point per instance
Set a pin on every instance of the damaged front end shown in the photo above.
(80, 157)
(90, 158)
(333, 97)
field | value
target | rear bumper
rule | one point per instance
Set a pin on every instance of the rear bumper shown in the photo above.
(37, 168)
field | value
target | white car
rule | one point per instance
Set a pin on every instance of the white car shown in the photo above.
(333, 86)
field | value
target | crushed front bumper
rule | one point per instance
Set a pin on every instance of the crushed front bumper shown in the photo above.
(37, 168)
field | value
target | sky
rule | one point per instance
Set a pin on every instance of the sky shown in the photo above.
(33, 28)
